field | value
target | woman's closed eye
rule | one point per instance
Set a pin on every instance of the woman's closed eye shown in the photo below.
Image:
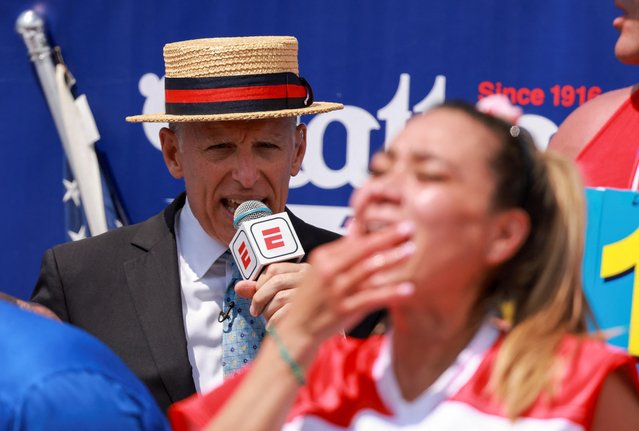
(431, 175)
(381, 163)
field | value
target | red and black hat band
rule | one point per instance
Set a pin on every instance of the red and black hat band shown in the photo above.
(236, 94)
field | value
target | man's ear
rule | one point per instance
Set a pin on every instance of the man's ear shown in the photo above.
(509, 232)
(171, 152)
(299, 150)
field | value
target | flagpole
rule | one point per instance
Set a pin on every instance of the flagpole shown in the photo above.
(31, 27)
(72, 118)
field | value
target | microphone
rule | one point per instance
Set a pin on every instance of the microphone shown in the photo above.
(262, 238)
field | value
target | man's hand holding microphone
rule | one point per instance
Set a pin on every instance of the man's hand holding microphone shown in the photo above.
(267, 252)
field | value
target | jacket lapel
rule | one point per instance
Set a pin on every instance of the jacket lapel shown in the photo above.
(154, 282)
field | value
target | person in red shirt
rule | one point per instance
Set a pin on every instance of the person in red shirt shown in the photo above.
(461, 213)
(602, 135)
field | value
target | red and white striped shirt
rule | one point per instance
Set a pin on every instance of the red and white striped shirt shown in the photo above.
(351, 386)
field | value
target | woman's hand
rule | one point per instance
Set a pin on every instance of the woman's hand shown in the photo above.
(347, 280)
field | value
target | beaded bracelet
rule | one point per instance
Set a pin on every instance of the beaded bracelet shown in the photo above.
(286, 356)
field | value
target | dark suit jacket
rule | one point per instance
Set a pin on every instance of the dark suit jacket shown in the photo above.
(124, 288)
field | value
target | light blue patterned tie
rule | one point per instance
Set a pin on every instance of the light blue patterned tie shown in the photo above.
(242, 333)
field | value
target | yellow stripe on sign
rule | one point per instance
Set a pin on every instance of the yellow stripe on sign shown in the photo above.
(616, 259)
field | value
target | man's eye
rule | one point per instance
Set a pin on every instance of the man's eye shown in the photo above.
(268, 145)
(217, 147)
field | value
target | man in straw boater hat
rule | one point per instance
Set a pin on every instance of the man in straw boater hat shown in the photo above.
(158, 292)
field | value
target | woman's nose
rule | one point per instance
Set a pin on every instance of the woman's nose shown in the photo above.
(387, 187)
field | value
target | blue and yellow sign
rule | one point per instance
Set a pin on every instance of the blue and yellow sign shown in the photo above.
(611, 264)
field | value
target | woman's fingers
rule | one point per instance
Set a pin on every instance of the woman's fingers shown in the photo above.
(389, 258)
(345, 253)
(370, 272)
(329, 301)
(368, 300)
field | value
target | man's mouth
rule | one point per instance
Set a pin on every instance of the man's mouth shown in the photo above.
(232, 204)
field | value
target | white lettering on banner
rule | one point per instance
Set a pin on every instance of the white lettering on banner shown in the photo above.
(358, 124)
(396, 112)
(152, 88)
(436, 95)
(541, 128)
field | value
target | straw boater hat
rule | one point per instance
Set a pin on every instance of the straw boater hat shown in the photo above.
(234, 78)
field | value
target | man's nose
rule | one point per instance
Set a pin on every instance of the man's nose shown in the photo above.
(246, 171)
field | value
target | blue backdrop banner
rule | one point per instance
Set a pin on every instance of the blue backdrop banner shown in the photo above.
(384, 60)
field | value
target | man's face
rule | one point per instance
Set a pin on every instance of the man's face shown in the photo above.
(225, 163)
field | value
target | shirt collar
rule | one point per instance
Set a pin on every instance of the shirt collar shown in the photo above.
(447, 384)
(198, 249)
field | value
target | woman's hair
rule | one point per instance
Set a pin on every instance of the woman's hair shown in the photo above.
(543, 280)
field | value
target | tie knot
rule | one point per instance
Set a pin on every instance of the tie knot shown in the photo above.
(235, 272)
(227, 256)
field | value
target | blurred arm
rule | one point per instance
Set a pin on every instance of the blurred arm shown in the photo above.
(618, 405)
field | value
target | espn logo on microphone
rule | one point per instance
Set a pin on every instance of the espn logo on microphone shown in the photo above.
(260, 242)
(243, 254)
(274, 237)
(245, 257)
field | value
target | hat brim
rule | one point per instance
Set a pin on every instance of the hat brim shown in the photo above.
(315, 108)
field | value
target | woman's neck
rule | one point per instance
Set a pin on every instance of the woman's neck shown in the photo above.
(425, 344)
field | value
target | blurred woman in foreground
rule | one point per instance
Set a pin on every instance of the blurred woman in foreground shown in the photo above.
(461, 213)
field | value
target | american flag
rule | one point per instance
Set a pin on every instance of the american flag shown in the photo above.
(76, 226)
(91, 201)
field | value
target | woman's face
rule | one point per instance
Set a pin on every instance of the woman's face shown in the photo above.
(436, 174)
(627, 46)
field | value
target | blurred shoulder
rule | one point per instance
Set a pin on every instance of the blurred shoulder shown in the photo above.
(590, 358)
(584, 122)
(55, 374)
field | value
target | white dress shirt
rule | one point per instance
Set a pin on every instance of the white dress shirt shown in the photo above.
(204, 280)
